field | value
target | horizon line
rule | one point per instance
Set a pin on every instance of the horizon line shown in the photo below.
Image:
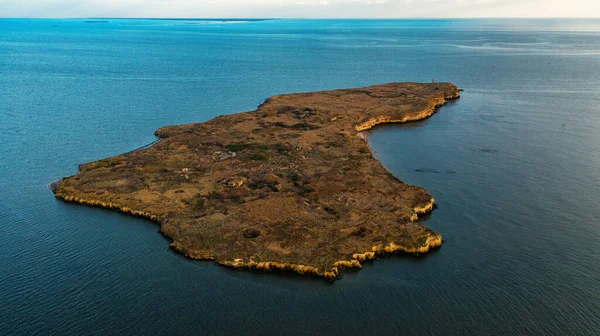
(298, 18)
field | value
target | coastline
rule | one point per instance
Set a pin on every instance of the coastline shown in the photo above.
(430, 240)
(376, 251)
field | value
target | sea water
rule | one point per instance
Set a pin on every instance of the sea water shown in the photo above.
(514, 166)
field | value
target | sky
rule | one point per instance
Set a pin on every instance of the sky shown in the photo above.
(299, 8)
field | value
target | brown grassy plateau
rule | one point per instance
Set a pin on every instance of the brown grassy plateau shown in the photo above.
(292, 185)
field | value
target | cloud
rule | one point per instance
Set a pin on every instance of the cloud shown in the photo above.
(299, 8)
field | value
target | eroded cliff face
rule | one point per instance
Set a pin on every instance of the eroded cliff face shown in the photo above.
(392, 116)
(290, 186)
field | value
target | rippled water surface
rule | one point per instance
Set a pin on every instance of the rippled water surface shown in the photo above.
(518, 186)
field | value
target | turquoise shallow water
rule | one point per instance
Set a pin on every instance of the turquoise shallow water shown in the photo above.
(519, 213)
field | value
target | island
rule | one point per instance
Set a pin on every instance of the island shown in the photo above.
(290, 186)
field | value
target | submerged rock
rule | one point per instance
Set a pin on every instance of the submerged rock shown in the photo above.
(427, 170)
(484, 150)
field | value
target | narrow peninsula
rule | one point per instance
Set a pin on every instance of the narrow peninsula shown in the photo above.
(292, 185)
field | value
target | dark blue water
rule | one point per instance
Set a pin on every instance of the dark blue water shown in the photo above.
(519, 215)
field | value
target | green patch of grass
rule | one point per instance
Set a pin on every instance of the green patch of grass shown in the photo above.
(236, 198)
(238, 147)
(198, 202)
(262, 184)
(215, 195)
(259, 157)
(283, 148)
(305, 189)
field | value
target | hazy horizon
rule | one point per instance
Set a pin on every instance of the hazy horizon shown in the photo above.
(305, 9)
(296, 18)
